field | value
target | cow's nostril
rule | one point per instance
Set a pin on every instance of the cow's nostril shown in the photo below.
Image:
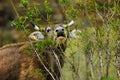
(62, 29)
(56, 30)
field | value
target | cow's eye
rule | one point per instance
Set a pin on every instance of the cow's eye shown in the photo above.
(48, 30)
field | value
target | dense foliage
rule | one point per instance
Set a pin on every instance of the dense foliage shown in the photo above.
(95, 54)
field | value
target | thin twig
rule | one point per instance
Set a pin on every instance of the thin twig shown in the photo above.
(14, 8)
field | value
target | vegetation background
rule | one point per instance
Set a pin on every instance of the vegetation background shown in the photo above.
(93, 55)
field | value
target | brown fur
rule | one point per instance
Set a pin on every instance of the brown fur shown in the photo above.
(16, 64)
(13, 63)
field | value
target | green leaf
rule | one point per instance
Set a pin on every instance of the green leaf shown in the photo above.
(107, 79)
(24, 3)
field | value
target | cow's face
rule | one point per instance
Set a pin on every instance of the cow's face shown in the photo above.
(56, 32)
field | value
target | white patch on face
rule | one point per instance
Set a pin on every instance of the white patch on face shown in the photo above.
(49, 32)
(58, 29)
(53, 32)
(48, 29)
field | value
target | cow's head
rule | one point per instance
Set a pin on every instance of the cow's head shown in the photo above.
(57, 32)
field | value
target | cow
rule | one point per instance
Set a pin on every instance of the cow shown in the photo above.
(19, 63)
